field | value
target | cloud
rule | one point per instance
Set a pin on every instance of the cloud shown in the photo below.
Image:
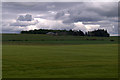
(53, 24)
(26, 17)
(59, 14)
(79, 26)
(110, 26)
(11, 29)
(92, 27)
(89, 12)
(59, 25)
(41, 23)
(24, 20)
(84, 16)
(51, 6)
(77, 15)
(97, 15)
(24, 23)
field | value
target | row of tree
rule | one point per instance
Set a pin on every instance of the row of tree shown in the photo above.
(99, 32)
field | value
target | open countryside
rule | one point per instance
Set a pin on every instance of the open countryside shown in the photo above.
(45, 56)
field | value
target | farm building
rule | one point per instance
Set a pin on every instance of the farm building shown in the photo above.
(51, 33)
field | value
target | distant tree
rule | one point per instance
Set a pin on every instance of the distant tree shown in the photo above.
(99, 33)
(86, 33)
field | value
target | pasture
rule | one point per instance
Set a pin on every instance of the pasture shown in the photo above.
(35, 56)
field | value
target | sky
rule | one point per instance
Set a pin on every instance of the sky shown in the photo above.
(85, 16)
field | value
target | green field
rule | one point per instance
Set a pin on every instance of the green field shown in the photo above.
(43, 56)
(38, 39)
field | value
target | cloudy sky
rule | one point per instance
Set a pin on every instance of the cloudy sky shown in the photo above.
(85, 16)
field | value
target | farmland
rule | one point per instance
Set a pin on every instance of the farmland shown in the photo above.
(38, 39)
(45, 56)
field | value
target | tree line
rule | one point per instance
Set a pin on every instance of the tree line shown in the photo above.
(99, 32)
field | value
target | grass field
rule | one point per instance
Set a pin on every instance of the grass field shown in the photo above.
(36, 39)
(40, 59)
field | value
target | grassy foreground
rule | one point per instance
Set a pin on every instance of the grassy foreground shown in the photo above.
(60, 61)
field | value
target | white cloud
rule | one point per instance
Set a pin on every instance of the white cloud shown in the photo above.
(58, 24)
(52, 12)
(40, 23)
(80, 26)
(92, 27)
(52, 24)
(24, 23)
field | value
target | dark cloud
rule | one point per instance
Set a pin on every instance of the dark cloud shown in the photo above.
(59, 15)
(89, 12)
(84, 16)
(26, 17)
(24, 20)
(108, 9)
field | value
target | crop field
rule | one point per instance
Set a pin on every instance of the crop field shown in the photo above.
(44, 56)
